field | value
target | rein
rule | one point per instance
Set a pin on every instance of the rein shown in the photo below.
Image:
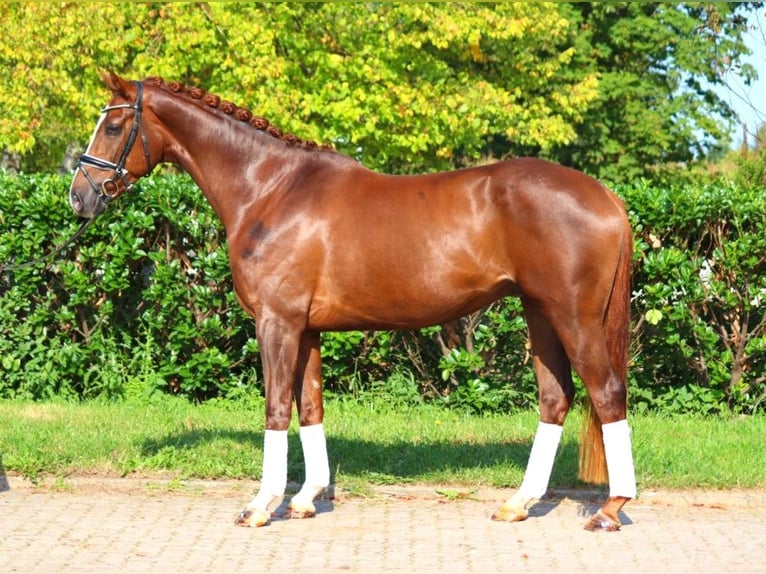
(108, 188)
(55, 251)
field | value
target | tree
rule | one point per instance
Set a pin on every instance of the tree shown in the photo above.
(615, 89)
(404, 87)
(657, 63)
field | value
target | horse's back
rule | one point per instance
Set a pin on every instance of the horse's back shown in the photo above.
(551, 187)
(406, 251)
(506, 187)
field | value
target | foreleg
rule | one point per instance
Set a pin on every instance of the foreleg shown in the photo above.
(308, 393)
(279, 351)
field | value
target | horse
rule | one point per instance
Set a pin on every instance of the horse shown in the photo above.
(318, 242)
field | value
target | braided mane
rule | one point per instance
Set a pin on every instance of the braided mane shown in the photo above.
(241, 114)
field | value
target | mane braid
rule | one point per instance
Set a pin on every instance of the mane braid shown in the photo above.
(241, 114)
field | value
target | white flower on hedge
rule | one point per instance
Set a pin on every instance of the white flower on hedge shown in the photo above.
(706, 273)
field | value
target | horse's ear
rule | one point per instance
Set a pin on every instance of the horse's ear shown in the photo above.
(116, 84)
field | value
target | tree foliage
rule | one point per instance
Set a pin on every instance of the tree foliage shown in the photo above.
(658, 64)
(613, 89)
(403, 86)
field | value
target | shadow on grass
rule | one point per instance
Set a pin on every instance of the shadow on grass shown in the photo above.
(416, 461)
(192, 439)
(403, 462)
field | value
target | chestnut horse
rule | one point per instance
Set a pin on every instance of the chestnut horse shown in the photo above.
(317, 242)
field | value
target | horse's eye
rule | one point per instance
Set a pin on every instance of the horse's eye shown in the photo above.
(113, 129)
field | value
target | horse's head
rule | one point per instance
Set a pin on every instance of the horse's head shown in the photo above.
(119, 153)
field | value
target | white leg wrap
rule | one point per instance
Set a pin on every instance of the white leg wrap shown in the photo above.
(541, 459)
(315, 455)
(274, 480)
(619, 459)
(317, 468)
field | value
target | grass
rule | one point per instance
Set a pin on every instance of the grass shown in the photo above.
(369, 444)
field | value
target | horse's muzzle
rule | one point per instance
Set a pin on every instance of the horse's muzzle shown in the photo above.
(86, 204)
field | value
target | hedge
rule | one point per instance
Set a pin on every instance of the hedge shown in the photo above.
(143, 304)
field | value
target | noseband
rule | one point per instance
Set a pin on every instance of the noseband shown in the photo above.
(108, 188)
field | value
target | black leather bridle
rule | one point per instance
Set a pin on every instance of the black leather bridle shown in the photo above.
(108, 188)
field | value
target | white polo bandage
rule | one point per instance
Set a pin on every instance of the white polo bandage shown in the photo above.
(315, 455)
(274, 479)
(619, 459)
(541, 459)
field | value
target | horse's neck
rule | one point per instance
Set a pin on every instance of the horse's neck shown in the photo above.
(232, 163)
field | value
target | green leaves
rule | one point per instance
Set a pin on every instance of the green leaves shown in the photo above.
(144, 303)
(656, 63)
(617, 90)
(699, 287)
(653, 316)
(405, 87)
(145, 292)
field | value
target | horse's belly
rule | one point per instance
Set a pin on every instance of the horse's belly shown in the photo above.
(403, 308)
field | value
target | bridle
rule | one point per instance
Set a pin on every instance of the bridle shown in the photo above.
(108, 188)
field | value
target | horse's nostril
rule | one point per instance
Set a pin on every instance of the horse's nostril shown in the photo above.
(75, 201)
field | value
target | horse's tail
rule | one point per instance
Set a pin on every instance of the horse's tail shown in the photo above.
(617, 332)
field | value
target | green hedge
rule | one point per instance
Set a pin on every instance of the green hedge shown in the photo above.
(143, 303)
(699, 297)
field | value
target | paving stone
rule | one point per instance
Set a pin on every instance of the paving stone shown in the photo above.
(128, 526)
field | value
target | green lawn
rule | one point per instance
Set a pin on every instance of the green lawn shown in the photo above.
(368, 444)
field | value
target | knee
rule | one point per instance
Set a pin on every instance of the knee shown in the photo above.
(554, 407)
(311, 414)
(278, 417)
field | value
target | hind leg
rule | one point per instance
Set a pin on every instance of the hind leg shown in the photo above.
(622, 480)
(608, 394)
(556, 392)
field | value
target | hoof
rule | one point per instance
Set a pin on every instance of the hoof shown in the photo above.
(253, 518)
(300, 511)
(601, 523)
(508, 513)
